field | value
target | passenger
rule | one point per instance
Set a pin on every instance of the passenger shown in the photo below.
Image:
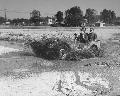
(92, 36)
(82, 37)
(85, 35)
(75, 36)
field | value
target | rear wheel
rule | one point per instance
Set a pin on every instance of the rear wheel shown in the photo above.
(95, 50)
(94, 47)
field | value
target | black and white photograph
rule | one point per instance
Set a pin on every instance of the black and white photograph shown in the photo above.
(59, 47)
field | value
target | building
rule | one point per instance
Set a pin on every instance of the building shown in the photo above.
(7, 23)
(117, 21)
(99, 24)
(50, 21)
(47, 21)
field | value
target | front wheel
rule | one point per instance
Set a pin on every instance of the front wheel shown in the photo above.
(62, 54)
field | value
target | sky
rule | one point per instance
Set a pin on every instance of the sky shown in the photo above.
(22, 8)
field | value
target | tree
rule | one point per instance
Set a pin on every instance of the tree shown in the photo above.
(117, 21)
(59, 17)
(2, 20)
(91, 15)
(113, 17)
(19, 21)
(35, 17)
(73, 16)
(104, 16)
(108, 16)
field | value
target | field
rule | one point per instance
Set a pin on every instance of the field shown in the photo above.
(24, 74)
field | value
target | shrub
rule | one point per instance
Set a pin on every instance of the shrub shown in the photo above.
(49, 48)
(78, 55)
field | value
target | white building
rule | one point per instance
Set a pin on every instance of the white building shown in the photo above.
(7, 23)
(99, 24)
(50, 21)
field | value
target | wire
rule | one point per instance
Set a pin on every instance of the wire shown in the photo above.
(15, 11)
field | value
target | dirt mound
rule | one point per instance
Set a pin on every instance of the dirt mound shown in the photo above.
(49, 48)
(55, 48)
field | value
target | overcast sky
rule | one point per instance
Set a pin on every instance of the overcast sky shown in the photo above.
(50, 7)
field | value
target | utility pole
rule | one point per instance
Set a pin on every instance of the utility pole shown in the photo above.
(5, 15)
(30, 14)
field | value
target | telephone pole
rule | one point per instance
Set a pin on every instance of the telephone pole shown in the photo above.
(5, 14)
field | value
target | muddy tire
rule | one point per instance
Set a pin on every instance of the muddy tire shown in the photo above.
(94, 49)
